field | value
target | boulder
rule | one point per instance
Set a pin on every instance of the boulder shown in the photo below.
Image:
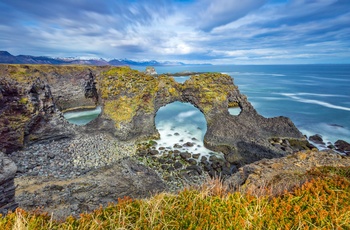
(317, 139)
(342, 146)
(188, 144)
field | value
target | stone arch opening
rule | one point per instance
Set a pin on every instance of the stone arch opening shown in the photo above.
(82, 116)
(182, 127)
(235, 111)
(234, 108)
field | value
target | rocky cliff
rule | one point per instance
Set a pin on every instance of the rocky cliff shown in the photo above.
(7, 186)
(33, 96)
(65, 158)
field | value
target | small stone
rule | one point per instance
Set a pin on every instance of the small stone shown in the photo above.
(191, 161)
(204, 159)
(185, 155)
(177, 165)
(178, 146)
(196, 155)
(176, 134)
(188, 144)
(164, 167)
(154, 152)
(195, 168)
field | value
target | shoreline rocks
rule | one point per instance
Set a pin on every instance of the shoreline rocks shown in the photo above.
(340, 146)
(71, 169)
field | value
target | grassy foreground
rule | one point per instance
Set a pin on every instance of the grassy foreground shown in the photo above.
(321, 203)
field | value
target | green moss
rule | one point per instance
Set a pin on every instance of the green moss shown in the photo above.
(127, 92)
(213, 89)
(23, 101)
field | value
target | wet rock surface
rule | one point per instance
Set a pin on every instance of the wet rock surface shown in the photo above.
(182, 168)
(342, 146)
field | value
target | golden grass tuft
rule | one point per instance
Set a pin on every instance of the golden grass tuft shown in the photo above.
(321, 203)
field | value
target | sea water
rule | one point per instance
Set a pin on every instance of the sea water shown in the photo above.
(82, 117)
(315, 97)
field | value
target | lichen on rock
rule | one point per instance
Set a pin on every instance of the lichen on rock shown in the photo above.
(130, 100)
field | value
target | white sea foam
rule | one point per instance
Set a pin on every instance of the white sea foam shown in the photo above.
(330, 133)
(272, 98)
(171, 134)
(183, 115)
(317, 102)
(319, 95)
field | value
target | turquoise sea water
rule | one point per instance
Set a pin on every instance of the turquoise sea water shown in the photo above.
(82, 117)
(315, 97)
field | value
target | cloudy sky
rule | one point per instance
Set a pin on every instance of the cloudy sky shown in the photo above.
(192, 31)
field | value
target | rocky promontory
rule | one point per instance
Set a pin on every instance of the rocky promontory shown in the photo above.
(72, 169)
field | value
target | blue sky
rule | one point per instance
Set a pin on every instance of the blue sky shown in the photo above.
(192, 31)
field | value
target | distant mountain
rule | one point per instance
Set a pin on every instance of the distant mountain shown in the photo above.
(7, 58)
(142, 63)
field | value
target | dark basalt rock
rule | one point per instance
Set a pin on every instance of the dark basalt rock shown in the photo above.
(188, 144)
(177, 146)
(7, 187)
(317, 139)
(185, 155)
(342, 146)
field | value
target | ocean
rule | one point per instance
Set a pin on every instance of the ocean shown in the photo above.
(315, 97)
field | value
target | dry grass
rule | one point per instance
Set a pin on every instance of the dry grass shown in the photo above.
(321, 203)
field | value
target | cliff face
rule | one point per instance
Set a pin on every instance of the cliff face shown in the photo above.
(7, 186)
(33, 96)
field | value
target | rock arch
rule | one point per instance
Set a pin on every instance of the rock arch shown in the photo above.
(243, 139)
(130, 100)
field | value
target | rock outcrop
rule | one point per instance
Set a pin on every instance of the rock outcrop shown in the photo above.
(7, 187)
(73, 168)
(64, 197)
(130, 100)
(342, 146)
(284, 173)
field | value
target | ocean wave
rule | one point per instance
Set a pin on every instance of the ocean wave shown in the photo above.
(329, 132)
(316, 102)
(312, 94)
(330, 79)
(254, 73)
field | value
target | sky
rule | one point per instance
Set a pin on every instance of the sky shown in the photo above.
(191, 31)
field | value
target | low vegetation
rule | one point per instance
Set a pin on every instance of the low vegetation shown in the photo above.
(321, 203)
